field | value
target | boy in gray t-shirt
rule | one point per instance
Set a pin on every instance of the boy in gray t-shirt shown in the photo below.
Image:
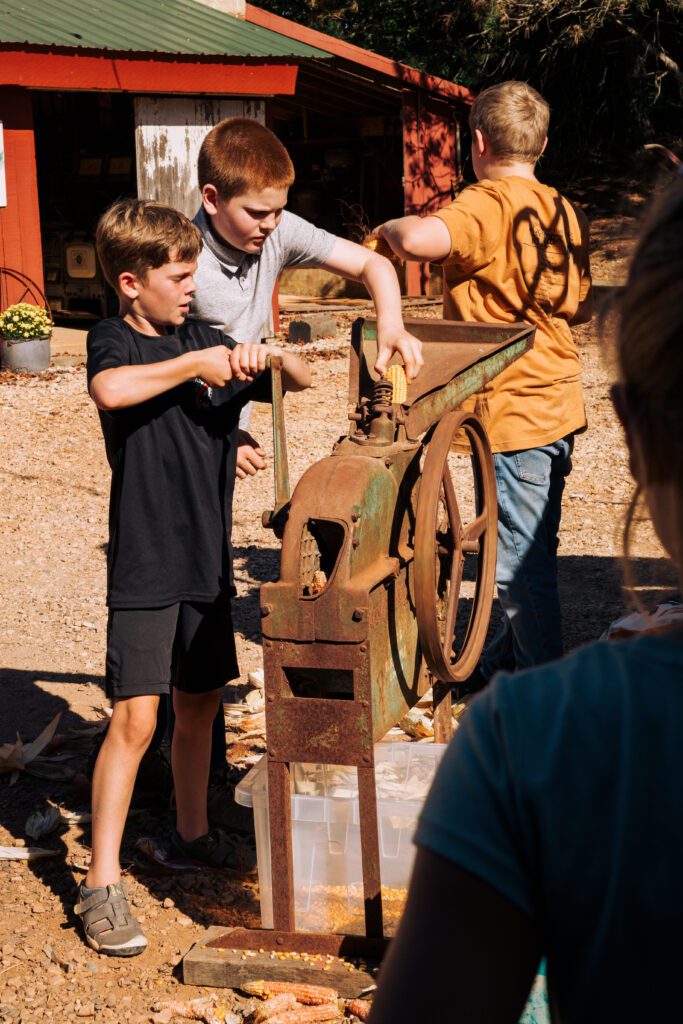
(249, 238)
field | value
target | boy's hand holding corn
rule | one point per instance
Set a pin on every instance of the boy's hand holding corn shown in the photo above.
(398, 339)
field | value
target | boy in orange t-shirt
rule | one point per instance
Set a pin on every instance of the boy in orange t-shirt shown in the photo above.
(514, 249)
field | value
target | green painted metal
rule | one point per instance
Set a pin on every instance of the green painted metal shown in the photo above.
(143, 26)
(431, 408)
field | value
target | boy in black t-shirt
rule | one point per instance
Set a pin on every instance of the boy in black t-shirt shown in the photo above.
(169, 396)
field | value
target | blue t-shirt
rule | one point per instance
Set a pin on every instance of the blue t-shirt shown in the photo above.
(563, 789)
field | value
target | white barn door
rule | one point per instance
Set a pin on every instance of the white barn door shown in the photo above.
(168, 134)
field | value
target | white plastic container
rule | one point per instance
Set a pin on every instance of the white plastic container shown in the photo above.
(328, 877)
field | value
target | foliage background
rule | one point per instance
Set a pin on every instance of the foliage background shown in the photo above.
(610, 70)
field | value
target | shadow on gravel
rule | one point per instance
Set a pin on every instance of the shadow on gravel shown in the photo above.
(26, 709)
(592, 597)
(253, 565)
(24, 704)
(205, 897)
(592, 594)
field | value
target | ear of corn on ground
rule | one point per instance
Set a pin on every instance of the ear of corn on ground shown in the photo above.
(273, 1005)
(359, 1008)
(310, 995)
(205, 1009)
(307, 1014)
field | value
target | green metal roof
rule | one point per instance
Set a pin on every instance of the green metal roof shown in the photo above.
(143, 26)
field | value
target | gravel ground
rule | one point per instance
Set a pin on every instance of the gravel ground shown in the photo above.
(53, 515)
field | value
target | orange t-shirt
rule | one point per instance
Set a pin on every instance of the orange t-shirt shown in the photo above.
(519, 251)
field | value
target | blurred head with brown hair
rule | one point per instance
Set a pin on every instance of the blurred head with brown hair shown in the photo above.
(649, 395)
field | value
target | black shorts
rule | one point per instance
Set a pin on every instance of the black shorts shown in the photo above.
(188, 645)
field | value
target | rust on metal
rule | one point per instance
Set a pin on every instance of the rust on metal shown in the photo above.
(442, 543)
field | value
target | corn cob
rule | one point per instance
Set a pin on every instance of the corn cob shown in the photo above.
(307, 1014)
(311, 995)
(396, 376)
(359, 1008)
(378, 245)
(276, 1004)
(204, 1009)
(319, 581)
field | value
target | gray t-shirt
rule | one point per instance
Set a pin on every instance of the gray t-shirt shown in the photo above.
(235, 288)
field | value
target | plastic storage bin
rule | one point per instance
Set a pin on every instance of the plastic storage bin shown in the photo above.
(328, 876)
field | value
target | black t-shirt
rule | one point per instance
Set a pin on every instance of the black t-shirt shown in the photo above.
(173, 471)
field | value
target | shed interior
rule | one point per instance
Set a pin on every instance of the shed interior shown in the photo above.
(344, 132)
(85, 156)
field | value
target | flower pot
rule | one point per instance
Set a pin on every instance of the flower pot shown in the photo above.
(25, 355)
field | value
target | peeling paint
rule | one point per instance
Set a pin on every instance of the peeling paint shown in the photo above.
(168, 135)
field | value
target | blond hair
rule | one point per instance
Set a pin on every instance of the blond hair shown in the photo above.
(137, 235)
(514, 119)
(240, 155)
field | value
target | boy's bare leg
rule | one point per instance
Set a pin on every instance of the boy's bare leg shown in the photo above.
(190, 759)
(129, 734)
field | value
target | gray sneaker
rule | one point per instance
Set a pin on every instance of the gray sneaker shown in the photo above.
(108, 924)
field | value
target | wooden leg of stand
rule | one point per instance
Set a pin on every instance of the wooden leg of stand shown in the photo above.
(443, 716)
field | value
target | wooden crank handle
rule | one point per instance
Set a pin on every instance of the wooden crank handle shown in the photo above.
(280, 462)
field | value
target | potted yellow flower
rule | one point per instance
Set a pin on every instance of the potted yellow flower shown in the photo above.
(25, 332)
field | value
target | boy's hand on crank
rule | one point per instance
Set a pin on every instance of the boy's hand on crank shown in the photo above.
(248, 360)
(408, 347)
(250, 456)
(213, 365)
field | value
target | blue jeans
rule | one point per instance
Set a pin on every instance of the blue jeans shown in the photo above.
(530, 485)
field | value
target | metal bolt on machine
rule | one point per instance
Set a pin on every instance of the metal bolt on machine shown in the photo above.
(367, 613)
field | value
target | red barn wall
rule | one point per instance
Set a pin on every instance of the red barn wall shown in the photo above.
(20, 245)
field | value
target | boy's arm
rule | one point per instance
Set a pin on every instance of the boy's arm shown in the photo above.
(122, 386)
(295, 373)
(356, 263)
(417, 238)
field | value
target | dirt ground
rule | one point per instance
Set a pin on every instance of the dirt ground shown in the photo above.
(53, 516)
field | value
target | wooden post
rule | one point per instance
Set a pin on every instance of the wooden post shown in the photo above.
(168, 134)
(20, 243)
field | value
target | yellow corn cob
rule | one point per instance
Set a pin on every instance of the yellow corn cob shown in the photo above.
(396, 376)
(311, 995)
(307, 1014)
(359, 1008)
(276, 1004)
(377, 244)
